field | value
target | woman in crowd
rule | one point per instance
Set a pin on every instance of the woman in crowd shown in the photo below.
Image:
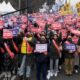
(25, 43)
(41, 59)
(69, 51)
(54, 53)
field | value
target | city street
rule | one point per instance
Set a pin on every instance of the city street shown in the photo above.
(61, 76)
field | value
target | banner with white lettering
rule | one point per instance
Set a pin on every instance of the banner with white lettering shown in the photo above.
(7, 33)
(41, 48)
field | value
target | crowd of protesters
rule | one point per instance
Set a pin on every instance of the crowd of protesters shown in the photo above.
(18, 52)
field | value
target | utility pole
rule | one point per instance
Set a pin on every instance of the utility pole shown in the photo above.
(19, 4)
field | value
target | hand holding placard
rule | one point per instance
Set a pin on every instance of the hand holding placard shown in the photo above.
(41, 48)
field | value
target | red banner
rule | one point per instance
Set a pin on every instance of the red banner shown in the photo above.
(36, 30)
(7, 34)
(56, 26)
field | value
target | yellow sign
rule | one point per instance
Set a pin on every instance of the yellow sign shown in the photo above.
(78, 5)
(66, 9)
(78, 8)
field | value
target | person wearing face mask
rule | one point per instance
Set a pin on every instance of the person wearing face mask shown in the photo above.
(70, 49)
(41, 59)
(27, 56)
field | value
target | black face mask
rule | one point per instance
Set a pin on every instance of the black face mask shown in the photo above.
(43, 40)
(69, 39)
(28, 36)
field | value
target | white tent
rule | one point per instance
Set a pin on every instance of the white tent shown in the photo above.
(3, 8)
(6, 8)
(9, 7)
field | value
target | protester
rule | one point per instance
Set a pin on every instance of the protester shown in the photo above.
(70, 49)
(27, 55)
(54, 52)
(41, 60)
(20, 35)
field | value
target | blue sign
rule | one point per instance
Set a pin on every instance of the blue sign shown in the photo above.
(70, 47)
(15, 31)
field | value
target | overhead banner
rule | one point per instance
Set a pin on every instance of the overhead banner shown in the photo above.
(56, 26)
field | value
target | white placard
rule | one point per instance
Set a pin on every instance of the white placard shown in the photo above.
(41, 48)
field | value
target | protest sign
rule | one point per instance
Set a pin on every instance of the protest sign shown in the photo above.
(70, 47)
(7, 33)
(15, 32)
(41, 48)
(56, 26)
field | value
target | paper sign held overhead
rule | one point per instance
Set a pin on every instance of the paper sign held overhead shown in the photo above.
(41, 48)
(7, 34)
